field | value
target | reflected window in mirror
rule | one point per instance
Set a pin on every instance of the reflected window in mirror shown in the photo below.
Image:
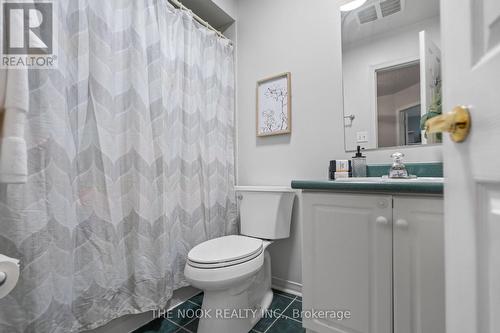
(391, 63)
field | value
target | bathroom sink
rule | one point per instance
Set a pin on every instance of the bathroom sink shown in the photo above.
(381, 180)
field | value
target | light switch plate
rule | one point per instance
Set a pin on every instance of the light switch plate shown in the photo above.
(361, 137)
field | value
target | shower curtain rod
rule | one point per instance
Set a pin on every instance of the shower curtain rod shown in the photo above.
(178, 4)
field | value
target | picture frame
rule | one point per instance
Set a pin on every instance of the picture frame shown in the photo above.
(274, 105)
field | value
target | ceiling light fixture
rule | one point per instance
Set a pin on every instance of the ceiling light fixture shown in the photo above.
(348, 5)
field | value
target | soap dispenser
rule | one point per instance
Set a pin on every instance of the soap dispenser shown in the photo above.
(359, 164)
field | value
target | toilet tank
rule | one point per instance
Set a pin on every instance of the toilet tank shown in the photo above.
(265, 211)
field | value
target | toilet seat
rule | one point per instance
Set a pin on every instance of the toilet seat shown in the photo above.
(225, 251)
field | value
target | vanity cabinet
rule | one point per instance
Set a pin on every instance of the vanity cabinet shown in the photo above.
(418, 252)
(379, 258)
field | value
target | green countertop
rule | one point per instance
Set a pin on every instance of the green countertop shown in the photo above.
(419, 169)
(394, 188)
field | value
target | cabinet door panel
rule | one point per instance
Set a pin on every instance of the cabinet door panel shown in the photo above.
(419, 299)
(347, 261)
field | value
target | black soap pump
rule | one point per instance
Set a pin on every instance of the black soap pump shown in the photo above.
(359, 164)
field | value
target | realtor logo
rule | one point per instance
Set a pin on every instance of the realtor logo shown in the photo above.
(28, 35)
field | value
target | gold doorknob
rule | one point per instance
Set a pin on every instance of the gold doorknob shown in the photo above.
(456, 122)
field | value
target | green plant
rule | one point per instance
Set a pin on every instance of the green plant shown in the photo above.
(436, 107)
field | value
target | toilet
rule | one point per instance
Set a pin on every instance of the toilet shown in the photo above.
(235, 271)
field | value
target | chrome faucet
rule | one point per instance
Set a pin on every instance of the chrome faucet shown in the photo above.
(398, 169)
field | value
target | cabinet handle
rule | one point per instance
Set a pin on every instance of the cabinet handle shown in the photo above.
(382, 220)
(402, 223)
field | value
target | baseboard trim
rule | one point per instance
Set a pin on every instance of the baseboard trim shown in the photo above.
(287, 286)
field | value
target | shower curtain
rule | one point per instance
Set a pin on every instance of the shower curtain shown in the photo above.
(131, 164)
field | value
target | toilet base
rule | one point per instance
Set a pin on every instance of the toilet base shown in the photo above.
(239, 308)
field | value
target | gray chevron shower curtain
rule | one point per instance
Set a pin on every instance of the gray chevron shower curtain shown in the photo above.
(131, 164)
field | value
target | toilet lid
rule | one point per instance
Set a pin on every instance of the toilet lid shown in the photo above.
(225, 249)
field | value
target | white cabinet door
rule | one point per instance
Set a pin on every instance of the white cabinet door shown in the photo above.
(419, 289)
(347, 261)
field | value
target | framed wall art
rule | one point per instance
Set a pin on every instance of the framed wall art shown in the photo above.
(274, 105)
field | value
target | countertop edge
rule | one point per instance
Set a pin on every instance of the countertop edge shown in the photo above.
(394, 188)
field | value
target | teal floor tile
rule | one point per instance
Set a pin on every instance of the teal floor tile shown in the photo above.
(159, 325)
(287, 325)
(282, 293)
(183, 314)
(293, 311)
(277, 319)
(263, 324)
(192, 326)
(198, 299)
(278, 305)
(151, 327)
(168, 327)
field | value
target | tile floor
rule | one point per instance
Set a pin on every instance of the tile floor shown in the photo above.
(283, 305)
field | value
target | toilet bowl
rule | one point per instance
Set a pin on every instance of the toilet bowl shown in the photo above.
(235, 271)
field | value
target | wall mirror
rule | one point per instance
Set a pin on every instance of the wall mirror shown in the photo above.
(391, 62)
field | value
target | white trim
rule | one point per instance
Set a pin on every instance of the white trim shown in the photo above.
(287, 286)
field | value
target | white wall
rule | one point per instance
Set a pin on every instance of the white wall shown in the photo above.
(280, 36)
(229, 6)
(292, 35)
(289, 35)
(360, 59)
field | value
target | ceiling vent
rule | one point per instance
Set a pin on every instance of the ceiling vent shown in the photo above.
(378, 10)
(368, 14)
(389, 7)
